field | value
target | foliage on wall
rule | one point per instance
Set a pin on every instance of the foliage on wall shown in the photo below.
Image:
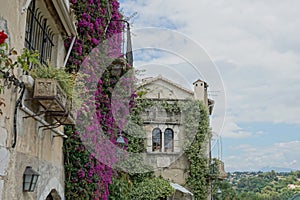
(195, 117)
(138, 185)
(97, 22)
(197, 150)
(10, 60)
(83, 171)
(84, 176)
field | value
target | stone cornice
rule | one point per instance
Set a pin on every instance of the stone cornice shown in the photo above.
(66, 16)
(160, 77)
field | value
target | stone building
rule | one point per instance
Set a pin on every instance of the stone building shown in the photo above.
(164, 126)
(25, 138)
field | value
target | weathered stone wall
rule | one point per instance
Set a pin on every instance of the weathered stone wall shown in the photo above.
(51, 176)
(35, 147)
(170, 165)
(177, 135)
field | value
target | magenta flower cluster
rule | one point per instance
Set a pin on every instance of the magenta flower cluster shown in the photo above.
(98, 23)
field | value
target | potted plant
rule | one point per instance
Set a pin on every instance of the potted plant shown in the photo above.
(53, 89)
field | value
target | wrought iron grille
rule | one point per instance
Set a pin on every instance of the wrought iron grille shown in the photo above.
(38, 35)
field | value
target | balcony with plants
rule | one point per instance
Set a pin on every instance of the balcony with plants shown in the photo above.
(50, 87)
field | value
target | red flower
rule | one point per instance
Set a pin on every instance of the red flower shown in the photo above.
(3, 37)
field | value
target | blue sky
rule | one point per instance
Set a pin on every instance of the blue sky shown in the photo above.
(255, 48)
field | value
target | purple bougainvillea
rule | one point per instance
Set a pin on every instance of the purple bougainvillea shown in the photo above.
(98, 22)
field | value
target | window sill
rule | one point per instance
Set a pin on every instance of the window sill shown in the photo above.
(164, 153)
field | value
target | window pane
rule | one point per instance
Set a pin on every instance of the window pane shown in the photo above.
(168, 136)
(156, 139)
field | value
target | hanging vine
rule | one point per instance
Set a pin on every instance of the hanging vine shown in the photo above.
(86, 176)
(197, 151)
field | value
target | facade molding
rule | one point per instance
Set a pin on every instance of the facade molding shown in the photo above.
(66, 16)
(160, 77)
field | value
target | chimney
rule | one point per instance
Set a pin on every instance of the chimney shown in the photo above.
(200, 91)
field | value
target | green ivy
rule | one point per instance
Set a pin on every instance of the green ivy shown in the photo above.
(197, 151)
(120, 188)
(137, 186)
(76, 157)
(170, 106)
(144, 185)
(151, 189)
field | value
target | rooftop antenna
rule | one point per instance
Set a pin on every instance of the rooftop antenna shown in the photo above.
(213, 93)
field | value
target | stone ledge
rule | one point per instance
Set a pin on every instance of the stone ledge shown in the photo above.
(163, 153)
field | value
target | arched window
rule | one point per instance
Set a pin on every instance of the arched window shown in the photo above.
(168, 140)
(156, 139)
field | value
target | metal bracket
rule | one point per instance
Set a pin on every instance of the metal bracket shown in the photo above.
(25, 7)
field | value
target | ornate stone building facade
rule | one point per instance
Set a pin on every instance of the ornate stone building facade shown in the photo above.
(165, 136)
(25, 139)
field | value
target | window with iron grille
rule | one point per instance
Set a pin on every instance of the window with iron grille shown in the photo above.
(38, 34)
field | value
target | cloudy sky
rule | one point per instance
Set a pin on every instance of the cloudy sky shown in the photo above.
(254, 47)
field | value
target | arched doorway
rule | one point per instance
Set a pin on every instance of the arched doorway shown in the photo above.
(53, 195)
(49, 197)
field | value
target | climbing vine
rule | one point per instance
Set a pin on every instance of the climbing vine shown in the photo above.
(96, 180)
(98, 22)
(197, 151)
(144, 185)
(196, 130)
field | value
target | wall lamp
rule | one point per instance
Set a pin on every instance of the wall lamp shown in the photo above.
(120, 140)
(30, 178)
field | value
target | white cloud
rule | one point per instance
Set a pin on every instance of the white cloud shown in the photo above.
(232, 130)
(256, 46)
(283, 155)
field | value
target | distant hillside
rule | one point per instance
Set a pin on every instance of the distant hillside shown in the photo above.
(280, 185)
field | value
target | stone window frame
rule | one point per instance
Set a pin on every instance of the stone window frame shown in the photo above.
(161, 146)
